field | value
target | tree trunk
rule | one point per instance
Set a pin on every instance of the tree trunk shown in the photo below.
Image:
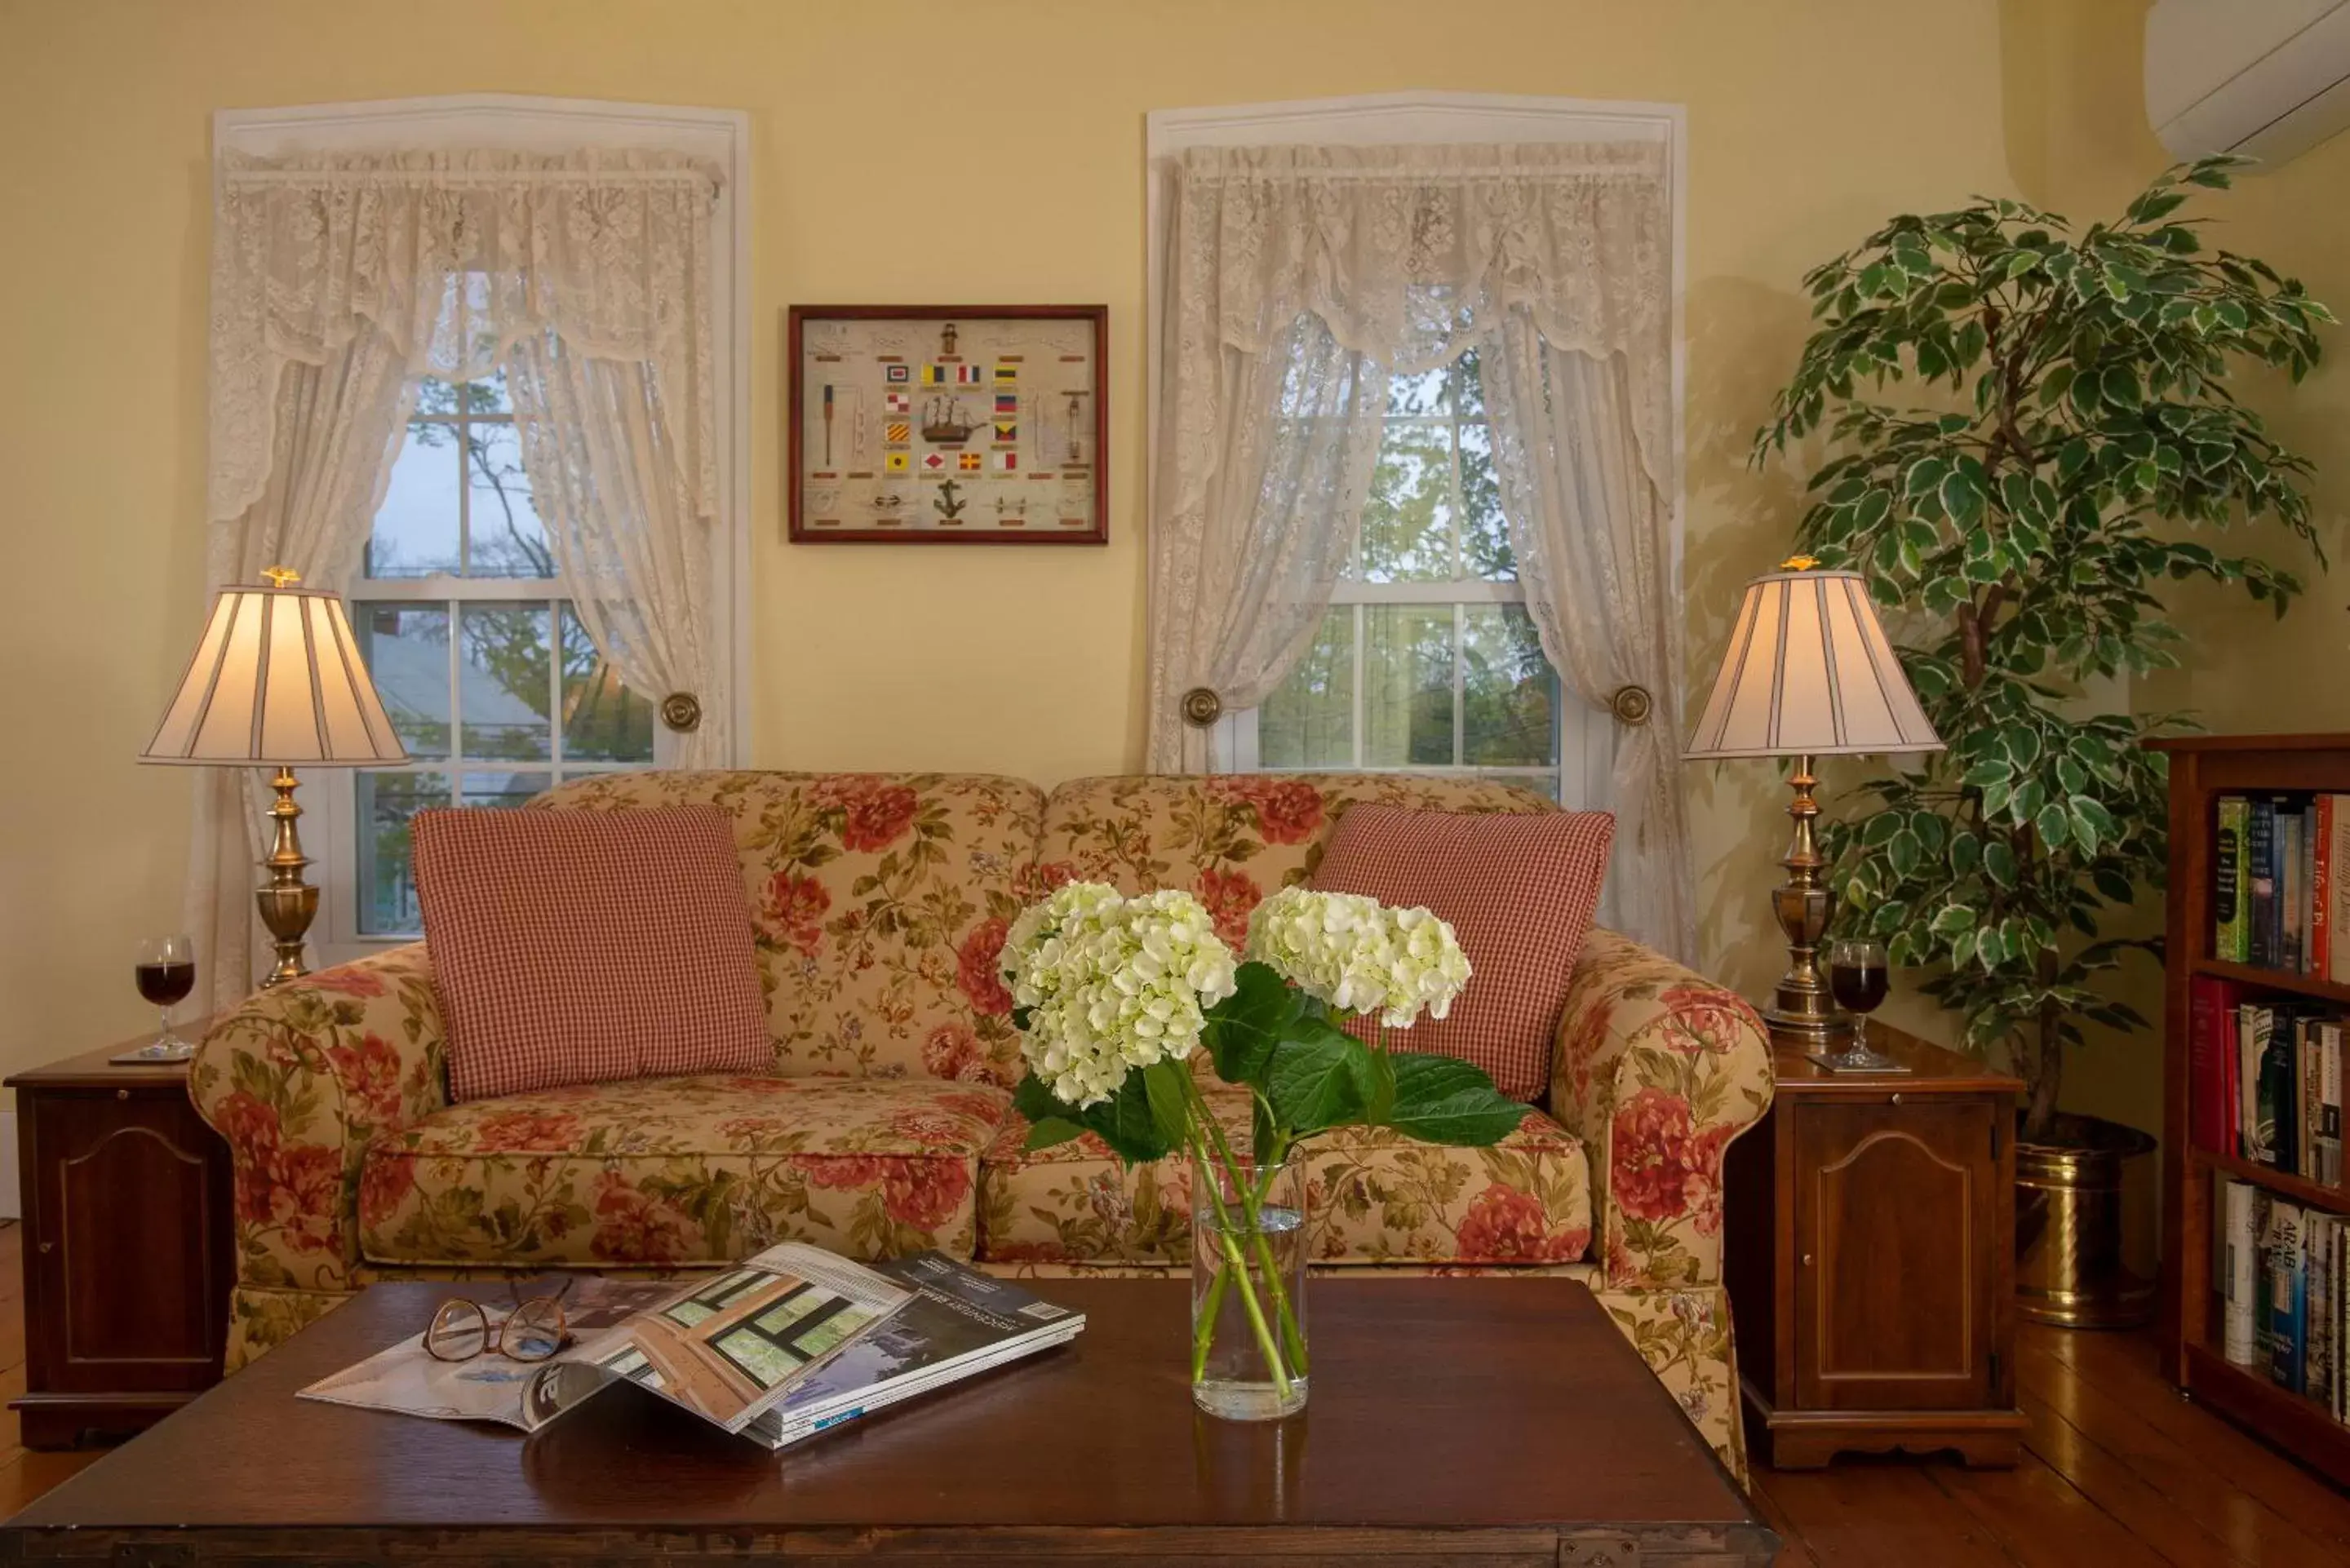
(2046, 1074)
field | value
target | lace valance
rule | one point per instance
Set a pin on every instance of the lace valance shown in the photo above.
(1411, 255)
(454, 258)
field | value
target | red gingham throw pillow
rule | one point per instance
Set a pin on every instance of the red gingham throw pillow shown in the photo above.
(575, 946)
(1520, 890)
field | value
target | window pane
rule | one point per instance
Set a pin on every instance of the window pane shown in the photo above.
(507, 539)
(1463, 385)
(1508, 695)
(502, 682)
(603, 721)
(488, 395)
(1309, 722)
(415, 531)
(387, 890)
(1420, 394)
(503, 791)
(406, 649)
(1406, 685)
(1408, 519)
(1484, 536)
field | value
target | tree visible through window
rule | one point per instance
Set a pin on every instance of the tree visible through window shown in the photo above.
(467, 626)
(1426, 660)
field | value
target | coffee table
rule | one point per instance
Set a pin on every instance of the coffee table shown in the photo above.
(1488, 1422)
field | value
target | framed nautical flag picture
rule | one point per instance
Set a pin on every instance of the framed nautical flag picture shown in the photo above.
(930, 424)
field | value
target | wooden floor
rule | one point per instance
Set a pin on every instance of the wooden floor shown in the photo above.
(2122, 1473)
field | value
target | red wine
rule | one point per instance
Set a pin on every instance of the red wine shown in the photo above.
(1858, 990)
(166, 985)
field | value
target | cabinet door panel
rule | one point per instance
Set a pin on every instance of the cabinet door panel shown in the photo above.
(126, 1274)
(1896, 1213)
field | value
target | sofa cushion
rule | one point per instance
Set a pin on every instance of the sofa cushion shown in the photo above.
(1231, 838)
(1519, 892)
(570, 949)
(681, 1170)
(879, 902)
(1374, 1196)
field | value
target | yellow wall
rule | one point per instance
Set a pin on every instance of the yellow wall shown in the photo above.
(1808, 122)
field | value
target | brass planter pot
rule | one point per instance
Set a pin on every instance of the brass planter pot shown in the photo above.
(2085, 1225)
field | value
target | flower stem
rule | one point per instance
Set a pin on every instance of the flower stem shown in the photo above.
(1252, 1198)
(1235, 1268)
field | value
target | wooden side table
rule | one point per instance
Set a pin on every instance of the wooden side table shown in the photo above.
(129, 1256)
(1871, 1258)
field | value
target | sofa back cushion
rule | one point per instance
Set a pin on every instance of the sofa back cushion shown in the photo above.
(1231, 838)
(1519, 891)
(878, 903)
(571, 949)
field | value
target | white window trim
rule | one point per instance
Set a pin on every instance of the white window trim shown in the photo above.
(1425, 119)
(528, 124)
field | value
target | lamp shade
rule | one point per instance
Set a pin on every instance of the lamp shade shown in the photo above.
(276, 678)
(1809, 672)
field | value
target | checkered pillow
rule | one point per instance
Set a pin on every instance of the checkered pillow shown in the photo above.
(573, 947)
(1520, 890)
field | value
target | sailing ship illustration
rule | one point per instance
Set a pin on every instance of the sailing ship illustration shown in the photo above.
(945, 423)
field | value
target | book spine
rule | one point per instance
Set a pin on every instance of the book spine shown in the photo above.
(2206, 1085)
(2260, 863)
(2232, 1066)
(2317, 1254)
(2259, 1023)
(2307, 1098)
(2289, 887)
(2319, 957)
(2230, 936)
(2304, 848)
(2338, 965)
(2329, 1114)
(2249, 1041)
(2284, 1295)
(2240, 1247)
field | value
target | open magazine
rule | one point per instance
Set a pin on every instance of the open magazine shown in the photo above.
(727, 1347)
(958, 1322)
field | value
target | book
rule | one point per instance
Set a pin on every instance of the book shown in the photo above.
(2232, 1068)
(2251, 1040)
(2268, 1066)
(960, 1323)
(2292, 905)
(2211, 1112)
(2318, 1360)
(2320, 955)
(2329, 1113)
(2231, 937)
(2243, 1223)
(727, 1347)
(2260, 868)
(2287, 1301)
(2308, 1096)
(2337, 892)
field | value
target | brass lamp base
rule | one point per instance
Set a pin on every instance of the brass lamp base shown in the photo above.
(288, 904)
(1801, 1014)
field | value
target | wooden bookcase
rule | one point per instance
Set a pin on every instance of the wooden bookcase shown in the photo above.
(2202, 769)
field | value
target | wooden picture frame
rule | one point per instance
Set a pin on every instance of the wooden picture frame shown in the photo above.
(933, 424)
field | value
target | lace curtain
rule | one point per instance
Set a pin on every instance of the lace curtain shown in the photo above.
(339, 279)
(1298, 280)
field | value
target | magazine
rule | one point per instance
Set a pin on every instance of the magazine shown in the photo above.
(958, 1322)
(726, 1346)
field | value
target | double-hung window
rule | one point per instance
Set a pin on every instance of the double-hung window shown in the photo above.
(468, 630)
(1426, 660)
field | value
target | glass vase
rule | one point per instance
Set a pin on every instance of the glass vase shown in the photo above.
(1248, 1288)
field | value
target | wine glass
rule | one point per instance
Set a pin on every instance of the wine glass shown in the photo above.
(1858, 981)
(166, 968)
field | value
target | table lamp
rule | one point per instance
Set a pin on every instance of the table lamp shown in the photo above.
(1808, 674)
(276, 679)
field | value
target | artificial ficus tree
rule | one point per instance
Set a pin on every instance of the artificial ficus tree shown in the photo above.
(2016, 532)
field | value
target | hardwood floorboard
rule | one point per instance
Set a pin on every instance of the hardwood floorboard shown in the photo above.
(1863, 1512)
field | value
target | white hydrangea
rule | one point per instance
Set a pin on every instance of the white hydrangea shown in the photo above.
(1111, 984)
(1359, 955)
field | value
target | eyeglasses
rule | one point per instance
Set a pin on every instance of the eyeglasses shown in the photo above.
(531, 1330)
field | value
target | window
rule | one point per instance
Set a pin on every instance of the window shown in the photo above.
(1428, 660)
(488, 676)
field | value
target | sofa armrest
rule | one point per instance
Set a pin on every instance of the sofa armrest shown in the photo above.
(299, 1080)
(1657, 1069)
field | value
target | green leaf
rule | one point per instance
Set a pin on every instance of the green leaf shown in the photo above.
(1125, 1121)
(1245, 1027)
(1168, 1097)
(2054, 825)
(1999, 862)
(1034, 1098)
(1441, 1099)
(1320, 1078)
(1050, 1131)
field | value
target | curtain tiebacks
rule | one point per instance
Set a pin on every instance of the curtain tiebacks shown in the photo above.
(1202, 707)
(1631, 704)
(681, 712)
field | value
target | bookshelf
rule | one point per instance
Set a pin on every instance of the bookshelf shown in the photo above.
(2202, 769)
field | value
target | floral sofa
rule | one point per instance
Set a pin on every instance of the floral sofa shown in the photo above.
(881, 901)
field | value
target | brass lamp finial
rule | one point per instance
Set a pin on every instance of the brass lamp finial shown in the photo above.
(281, 576)
(1799, 562)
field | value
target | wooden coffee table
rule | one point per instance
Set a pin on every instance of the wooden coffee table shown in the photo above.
(1497, 1423)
